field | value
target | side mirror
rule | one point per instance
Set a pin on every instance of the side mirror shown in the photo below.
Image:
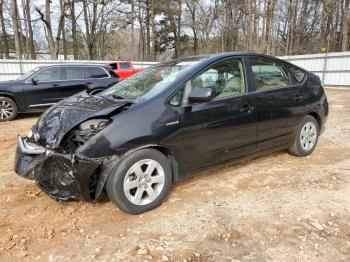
(35, 80)
(201, 95)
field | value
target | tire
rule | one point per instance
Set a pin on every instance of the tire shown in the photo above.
(134, 171)
(8, 109)
(306, 137)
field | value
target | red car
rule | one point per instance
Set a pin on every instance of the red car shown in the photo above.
(123, 69)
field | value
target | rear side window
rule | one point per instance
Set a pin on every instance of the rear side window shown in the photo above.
(124, 65)
(49, 74)
(297, 73)
(72, 73)
(95, 72)
(269, 74)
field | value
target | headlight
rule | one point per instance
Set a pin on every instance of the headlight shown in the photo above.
(30, 134)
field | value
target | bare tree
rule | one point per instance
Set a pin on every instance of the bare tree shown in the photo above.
(192, 6)
(29, 28)
(3, 28)
(345, 24)
(54, 46)
(16, 30)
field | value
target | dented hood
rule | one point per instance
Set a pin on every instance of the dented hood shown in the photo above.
(62, 117)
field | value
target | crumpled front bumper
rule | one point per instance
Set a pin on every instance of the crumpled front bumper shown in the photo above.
(61, 176)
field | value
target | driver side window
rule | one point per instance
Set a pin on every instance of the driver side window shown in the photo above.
(225, 79)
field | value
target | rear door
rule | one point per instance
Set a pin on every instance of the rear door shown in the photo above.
(224, 128)
(73, 81)
(279, 103)
(97, 78)
(45, 91)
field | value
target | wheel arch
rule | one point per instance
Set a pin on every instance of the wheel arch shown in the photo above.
(107, 169)
(10, 96)
(166, 151)
(315, 115)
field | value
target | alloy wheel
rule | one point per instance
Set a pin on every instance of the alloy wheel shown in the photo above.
(308, 136)
(6, 110)
(144, 182)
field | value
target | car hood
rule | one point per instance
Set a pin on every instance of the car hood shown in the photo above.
(68, 113)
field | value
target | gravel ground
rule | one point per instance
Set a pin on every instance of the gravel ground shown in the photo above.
(274, 208)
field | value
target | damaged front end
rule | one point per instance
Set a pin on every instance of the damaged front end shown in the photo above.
(50, 155)
(61, 176)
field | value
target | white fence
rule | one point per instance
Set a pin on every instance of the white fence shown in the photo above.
(333, 68)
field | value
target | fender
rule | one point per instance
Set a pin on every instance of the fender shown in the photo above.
(107, 168)
(13, 97)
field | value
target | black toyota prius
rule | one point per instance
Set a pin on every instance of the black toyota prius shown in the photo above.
(139, 136)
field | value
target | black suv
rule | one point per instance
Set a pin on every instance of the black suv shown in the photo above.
(44, 86)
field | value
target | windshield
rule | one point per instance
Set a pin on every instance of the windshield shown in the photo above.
(150, 82)
(29, 73)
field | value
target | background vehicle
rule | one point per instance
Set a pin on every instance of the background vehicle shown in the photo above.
(44, 86)
(168, 121)
(123, 69)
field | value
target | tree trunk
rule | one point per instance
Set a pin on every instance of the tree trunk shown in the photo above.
(59, 29)
(25, 41)
(178, 33)
(289, 27)
(153, 30)
(50, 38)
(16, 32)
(269, 18)
(3, 28)
(30, 30)
(148, 29)
(132, 38)
(345, 25)
(250, 25)
(88, 37)
(74, 30)
(64, 42)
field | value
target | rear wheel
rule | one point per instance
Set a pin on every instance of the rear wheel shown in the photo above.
(8, 109)
(306, 137)
(140, 181)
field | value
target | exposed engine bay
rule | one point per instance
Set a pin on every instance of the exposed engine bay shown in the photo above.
(82, 133)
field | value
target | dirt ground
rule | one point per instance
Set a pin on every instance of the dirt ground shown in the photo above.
(274, 208)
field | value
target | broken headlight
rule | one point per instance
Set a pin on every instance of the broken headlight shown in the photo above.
(82, 133)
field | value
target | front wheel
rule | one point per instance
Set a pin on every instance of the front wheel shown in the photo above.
(306, 137)
(8, 109)
(140, 181)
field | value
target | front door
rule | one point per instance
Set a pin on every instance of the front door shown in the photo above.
(224, 128)
(43, 91)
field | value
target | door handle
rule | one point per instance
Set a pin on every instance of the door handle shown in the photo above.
(247, 109)
(55, 85)
(298, 98)
(88, 83)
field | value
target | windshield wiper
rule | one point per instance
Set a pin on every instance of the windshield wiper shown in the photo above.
(118, 97)
(123, 97)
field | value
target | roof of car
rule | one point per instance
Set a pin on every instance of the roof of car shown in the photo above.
(75, 64)
(225, 54)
